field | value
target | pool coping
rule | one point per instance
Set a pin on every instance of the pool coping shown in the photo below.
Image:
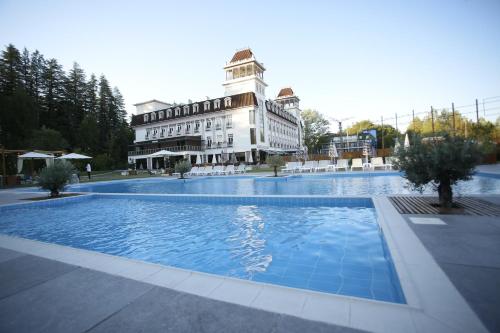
(433, 303)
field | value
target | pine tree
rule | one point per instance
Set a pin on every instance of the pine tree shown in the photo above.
(25, 69)
(52, 86)
(104, 111)
(37, 65)
(91, 97)
(10, 69)
(119, 104)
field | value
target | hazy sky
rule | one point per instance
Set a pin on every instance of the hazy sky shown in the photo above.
(359, 59)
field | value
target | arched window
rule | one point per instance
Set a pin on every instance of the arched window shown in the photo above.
(217, 104)
(177, 111)
(209, 124)
(161, 114)
(146, 118)
(195, 108)
(227, 102)
(169, 113)
(153, 116)
(206, 106)
(186, 110)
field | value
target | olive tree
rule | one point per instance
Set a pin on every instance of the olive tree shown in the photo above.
(182, 167)
(55, 177)
(441, 161)
(275, 161)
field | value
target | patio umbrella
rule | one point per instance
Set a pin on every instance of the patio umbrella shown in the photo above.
(250, 159)
(73, 156)
(332, 152)
(33, 155)
(397, 146)
(163, 153)
(214, 159)
(233, 158)
(365, 152)
(198, 159)
(407, 141)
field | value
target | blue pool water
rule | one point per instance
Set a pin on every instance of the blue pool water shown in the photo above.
(328, 245)
(296, 185)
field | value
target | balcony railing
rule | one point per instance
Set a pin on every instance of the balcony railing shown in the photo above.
(172, 149)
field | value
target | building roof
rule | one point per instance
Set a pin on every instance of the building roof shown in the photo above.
(286, 92)
(151, 101)
(242, 55)
(237, 101)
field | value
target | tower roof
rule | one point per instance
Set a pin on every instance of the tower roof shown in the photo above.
(285, 92)
(242, 55)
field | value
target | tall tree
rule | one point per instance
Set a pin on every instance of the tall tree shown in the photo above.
(53, 78)
(315, 129)
(10, 69)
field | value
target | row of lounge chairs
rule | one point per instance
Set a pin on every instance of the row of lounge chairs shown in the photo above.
(342, 164)
(217, 170)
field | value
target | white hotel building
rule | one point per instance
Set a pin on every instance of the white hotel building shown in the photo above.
(242, 122)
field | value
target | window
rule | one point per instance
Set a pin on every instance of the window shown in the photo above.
(253, 140)
(229, 121)
(206, 106)
(251, 115)
(186, 110)
(227, 102)
(209, 141)
(161, 114)
(170, 130)
(209, 124)
(218, 123)
(163, 130)
(179, 128)
(148, 133)
(153, 116)
(155, 132)
(219, 139)
(146, 118)
(188, 127)
(196, 126)
(217, 104)
(195, 108)
(230, 140)
(177, 112)
(169, 113)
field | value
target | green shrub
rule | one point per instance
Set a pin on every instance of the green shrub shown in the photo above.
(275, 161)
(441, 161)
(102, 162)
(182, 167)
(55, 177)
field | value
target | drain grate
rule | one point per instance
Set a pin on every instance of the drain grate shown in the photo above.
(424, 205)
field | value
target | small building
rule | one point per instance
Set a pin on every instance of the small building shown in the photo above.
(243, 122)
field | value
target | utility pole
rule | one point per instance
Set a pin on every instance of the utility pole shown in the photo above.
(477, 112)
(432, 117)
(396, 121)
(453, 113)
(382, 118)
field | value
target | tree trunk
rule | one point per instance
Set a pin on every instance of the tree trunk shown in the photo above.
(275, 171)
(445, 194)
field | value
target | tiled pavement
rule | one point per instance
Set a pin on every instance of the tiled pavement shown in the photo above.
(41, 295)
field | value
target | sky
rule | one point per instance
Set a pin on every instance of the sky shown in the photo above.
(346, 59)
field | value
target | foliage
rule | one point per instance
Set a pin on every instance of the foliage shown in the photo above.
(182, 167)
(55, 177)
(315, 129)
(102, 162)
(275, 161)
(440, 162)
(387, 133)
(48, 139)
(36, 93)
(359, 126)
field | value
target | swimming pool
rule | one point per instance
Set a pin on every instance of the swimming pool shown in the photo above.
(331, 245)
(364, 184)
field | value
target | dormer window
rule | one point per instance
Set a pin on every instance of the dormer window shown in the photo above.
(161, 114)
(206, 106)
(227, 102)
(195, 108)
(217, 104)
(186, 110)
(177, 112)
(146, 118)
(169, 113)
(153, 116)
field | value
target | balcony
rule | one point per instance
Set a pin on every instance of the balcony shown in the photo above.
(172, 149)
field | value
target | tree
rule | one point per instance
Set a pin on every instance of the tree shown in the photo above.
(360, 126)
(48, 139)
(441, 162)
(182, 167)
(55, 177)
(10, 69)
(275, 161)
(387, 133)
(315, 129)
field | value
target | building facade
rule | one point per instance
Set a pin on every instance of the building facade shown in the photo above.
(243, 122)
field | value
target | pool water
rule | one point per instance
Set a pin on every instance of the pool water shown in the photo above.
(309, 244)
(359, 185)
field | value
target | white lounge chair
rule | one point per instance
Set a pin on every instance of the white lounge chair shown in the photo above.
(207, 171)
(308, 166)
(342, 164)
(229, 170)
(389, 161)
(357, 163)
(378, 162)
(241, 169)
(289, 167)
(218, 170)
(322, 165)
(193, 171)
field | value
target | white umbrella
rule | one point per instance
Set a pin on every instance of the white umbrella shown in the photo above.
(233, 158)
(33, 154)
(250, 159)
(74, 156)
(407, 141)
(163, 153)
(397, 146)
(198, 159)
(214, 159)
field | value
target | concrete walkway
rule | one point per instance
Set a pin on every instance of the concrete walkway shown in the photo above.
(42, 295)
(467, 248)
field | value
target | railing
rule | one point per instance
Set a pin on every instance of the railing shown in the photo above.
(172, 149)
